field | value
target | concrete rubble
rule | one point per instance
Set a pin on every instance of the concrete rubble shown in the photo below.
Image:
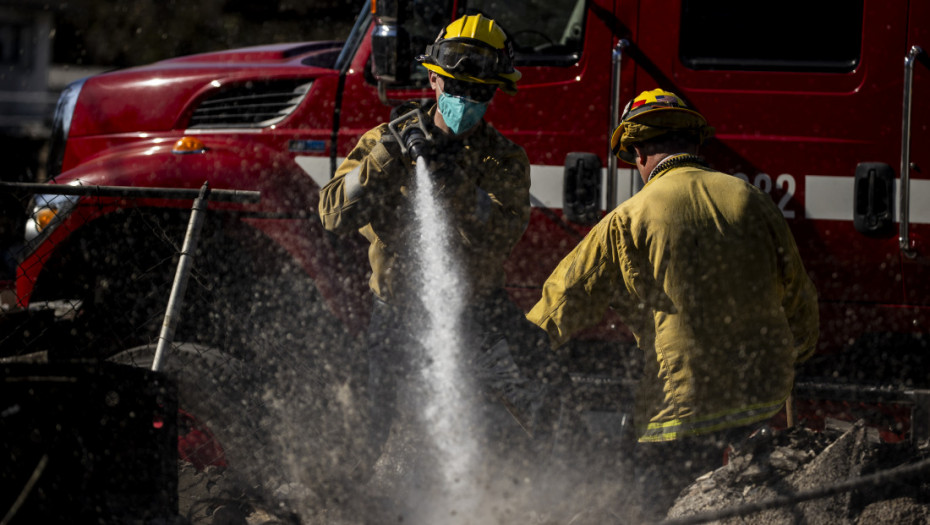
(800, 461)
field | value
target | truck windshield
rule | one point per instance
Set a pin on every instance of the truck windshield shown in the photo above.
(358, 33)
(544, 32)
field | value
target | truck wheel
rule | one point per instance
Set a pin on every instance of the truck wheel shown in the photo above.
(218, 430)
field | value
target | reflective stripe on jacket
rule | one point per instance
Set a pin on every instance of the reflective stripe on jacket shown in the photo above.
(383, 210)
(703, 269)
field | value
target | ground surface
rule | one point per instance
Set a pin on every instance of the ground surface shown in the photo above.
(786, 468)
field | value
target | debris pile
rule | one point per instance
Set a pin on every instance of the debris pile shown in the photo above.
(774, 478)
(802, 476)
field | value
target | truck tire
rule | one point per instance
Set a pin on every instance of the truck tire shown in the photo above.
(217, 414)
(290, 436)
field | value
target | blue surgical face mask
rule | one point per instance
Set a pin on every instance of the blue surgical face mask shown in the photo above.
(459, 113)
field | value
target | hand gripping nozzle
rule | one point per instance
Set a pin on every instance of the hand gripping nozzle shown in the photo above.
(415, 138)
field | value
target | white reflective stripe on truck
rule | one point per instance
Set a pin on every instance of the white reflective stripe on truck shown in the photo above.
(316, 167)
(825, 197)
(547, 184)
(831, 198)
(546, 181)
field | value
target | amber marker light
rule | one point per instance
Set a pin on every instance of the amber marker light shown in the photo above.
(186, 145)
(43, 217)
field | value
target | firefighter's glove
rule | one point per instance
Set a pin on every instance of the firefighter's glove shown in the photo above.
(387, 171)
(393, 160)
(390, 144)
(409, 125)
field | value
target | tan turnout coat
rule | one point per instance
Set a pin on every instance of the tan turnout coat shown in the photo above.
(705, 272)
(485, 232)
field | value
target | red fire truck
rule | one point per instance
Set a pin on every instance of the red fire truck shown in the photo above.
(823, 105)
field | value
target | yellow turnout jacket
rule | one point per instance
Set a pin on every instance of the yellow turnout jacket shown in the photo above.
(487, 222)
(705, 272)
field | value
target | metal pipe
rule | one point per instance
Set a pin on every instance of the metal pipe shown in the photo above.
(130, 192)
(616, 61)
(855, 392)
(904, 238)
(179, 286)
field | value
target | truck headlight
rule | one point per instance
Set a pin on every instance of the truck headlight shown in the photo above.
(47, 212)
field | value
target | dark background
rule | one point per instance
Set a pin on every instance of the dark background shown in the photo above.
(117, 33)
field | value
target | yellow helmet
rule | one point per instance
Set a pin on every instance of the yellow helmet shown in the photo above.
(473, 49)
(653, 114)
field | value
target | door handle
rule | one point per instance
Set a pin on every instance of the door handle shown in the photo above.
(582, 188)
(616, 63)
(873, 213)
(904, 234)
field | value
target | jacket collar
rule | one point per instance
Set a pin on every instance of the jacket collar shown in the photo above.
(675, 161)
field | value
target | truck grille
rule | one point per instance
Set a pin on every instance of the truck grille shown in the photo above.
(255, 104)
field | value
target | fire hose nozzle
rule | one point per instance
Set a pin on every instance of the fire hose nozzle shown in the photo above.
(415, 139)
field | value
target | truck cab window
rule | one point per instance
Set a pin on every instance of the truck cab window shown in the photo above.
(543, 32)
(424, 21)
(790, 35)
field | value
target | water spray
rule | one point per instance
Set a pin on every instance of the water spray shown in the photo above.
(446, 414)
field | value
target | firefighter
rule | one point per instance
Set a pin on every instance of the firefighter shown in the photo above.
(703, 269)
(482, 182)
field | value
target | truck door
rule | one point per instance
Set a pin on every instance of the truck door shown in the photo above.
(917, 261)
(801, 93)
